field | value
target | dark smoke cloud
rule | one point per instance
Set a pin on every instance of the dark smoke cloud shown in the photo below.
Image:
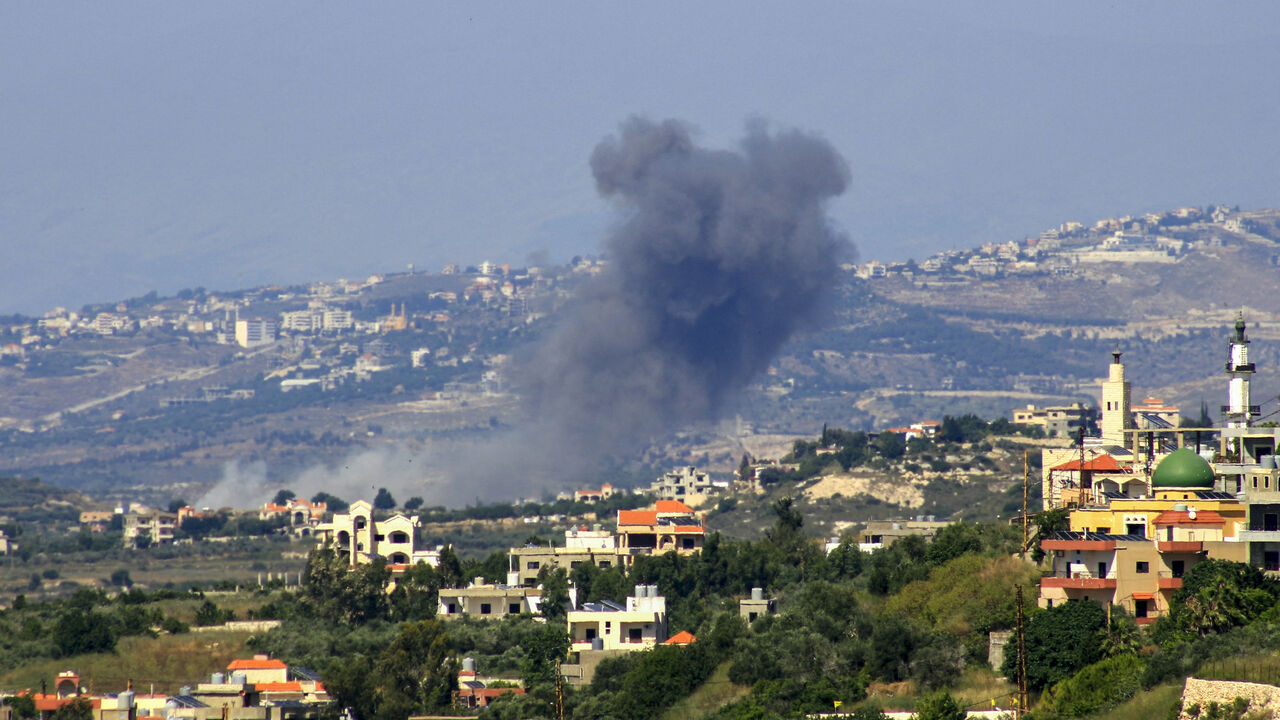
(721, 258)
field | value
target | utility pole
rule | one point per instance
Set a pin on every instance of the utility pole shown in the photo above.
(559, 693)
(1022, 659)
(1025, 470)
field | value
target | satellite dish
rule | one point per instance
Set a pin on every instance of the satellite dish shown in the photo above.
(1191, 514)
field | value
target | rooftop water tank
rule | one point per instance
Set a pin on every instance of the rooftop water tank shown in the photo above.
(757, 593)
(469, 664)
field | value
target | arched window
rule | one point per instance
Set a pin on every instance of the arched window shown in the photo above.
(399, 536)
(343, 538)
(361, 522)
(398, 559)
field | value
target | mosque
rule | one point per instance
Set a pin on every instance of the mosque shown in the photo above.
(1148, 503)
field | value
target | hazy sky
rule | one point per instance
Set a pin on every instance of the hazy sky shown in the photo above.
(167, 145)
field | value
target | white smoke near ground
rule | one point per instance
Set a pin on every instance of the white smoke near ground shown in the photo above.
(720, 257)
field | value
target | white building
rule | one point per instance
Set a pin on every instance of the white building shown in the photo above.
(255, 332)
(362, 538)
(640, 624)
(337, 319)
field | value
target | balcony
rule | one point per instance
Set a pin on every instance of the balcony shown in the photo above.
(1167, 581)
(1180, 546)
(1078, 582)
(1241, 367)
(1081, 544)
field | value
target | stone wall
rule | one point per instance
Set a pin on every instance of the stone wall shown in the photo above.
(1262, 698)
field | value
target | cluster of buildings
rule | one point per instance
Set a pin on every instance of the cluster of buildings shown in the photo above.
(257, 688)
(1130, 239)
(1148, 499)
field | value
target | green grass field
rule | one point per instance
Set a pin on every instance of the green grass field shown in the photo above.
(716, 692)
(165, 663)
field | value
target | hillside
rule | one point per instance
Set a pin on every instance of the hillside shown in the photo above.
(151, 398)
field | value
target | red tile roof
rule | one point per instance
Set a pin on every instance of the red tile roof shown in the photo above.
(257, 664)
(1104, 463)
(637, 517)
(1181, 517)
(672, 506)
(684, 637)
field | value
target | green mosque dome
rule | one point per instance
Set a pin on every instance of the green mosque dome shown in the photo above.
(1183, 469)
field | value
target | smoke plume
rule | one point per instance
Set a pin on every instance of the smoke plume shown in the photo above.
(719, 259)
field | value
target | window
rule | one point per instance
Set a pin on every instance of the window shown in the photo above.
(634, 635)
(399, 536)
(574, 564)
(514, 609)
(450, 608)
(1177, 568)
(605, 564)
(533, 565)
(591, 633)
(1143, 567)
(380, 537)
(485, 608)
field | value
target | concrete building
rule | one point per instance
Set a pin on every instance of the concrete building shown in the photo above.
(304, 517)
(597, 547)
(687, 485)
(156, 526)
(487, 601)
(881, 534)
(1133, 552)
(1057, 420)
(756, 606)
(255, 332)
(639, 624)
(357, 535)
(670, 525)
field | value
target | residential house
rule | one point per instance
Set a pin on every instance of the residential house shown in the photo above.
(487, 601)
(362, 538)
(1133, 552)
(756, 606)
(670, 525)
(687, 485)
(882, 534)
(1057, 420)
(638, 624)
(304, 517)
(597, 547)
(155, 525)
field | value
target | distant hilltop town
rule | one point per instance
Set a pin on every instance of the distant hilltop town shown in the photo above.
(1161, 237)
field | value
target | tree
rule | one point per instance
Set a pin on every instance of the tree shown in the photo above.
(1060, 641)
(940, 706)
(1217, 595)
(120, 578)
(413, 503)
(417, 673)
(24, 706)
(555, 593)
(283, 496)
(890, 445)
(383, 500)
(333, 503)
(78, 632)
(548, 644)
(80, 708)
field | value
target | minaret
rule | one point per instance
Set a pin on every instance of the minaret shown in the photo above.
(1238, 411)
(1116, 416)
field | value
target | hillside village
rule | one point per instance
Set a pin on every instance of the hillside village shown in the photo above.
(1128, 544)
(1142, 550)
